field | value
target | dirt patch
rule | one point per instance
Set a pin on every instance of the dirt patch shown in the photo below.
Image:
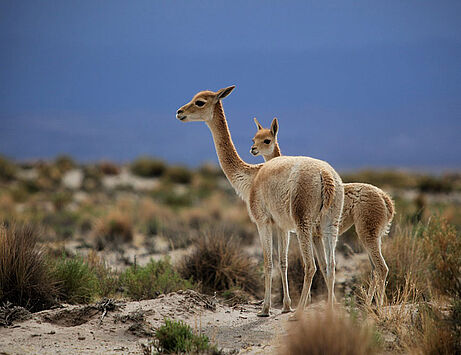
(72, 317)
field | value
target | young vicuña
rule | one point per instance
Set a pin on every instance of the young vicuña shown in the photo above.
(367, 207)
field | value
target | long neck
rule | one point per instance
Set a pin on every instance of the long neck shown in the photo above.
(275, 153)
(239, 173)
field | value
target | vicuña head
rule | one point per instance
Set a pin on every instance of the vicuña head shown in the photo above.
(265, 140)
(200, 108)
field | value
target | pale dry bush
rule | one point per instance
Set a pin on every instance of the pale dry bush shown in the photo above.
(323, 333)
(114, 228)
(219, 263)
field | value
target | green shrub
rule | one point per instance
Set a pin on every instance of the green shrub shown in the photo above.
(76, 281)
(179, 175)
(149, 281)
(148, 167)
(7, 169)
(176, 337)
(219, 263)
(25, 279)
(107, 281)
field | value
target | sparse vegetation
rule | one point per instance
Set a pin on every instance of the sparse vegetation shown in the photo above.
(7, 169)
(108, 168)
(148, 167)
(25, 279)
(77, 283)
(180, 208)
(218, 263)
(329, 333)
(157, 277)
(176, 337)
(113, 229)
(179, 175)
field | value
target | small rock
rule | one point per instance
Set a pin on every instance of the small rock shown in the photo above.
(52, 332)
(81, 338)
(35, 335)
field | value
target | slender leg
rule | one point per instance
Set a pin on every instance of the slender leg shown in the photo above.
(265, 235)
(330, 234)
(319, 249)
(284, 241)
(372, 244)
(305, 244)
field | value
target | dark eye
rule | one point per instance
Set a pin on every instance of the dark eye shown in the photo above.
(267, 141)
(199, 103)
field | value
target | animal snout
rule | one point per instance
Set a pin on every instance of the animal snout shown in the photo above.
(254, 150)
(179, 111)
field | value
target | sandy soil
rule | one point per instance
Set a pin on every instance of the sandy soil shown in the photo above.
(82, 330)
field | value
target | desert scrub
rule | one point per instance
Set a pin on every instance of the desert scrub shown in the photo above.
(176, 337)
(64, 163)
(329, 333)
(178, 174)
(7, 169)
(408, 264)
(62, 223)
(77, 283)
(147, 282)
(148, 167)
(425, 256)
(92, 178)
(107, 280)
(25, 279)
(442, 248)
(219, 263)
(113, 229)
(108, 168)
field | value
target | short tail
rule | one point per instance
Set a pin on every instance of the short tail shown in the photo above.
(389, 205)
(390, 211)
(328, 190)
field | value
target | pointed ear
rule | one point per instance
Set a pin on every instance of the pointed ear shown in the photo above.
(257, 124)
(221, 94)
(274, 127)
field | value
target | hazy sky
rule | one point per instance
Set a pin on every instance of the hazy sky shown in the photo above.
(357, 83)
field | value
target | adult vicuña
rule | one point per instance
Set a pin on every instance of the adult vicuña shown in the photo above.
(290, 192)
(368, 208)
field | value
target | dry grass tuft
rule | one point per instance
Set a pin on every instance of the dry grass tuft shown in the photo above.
(219, 263)
(442, 247)
(113, 229)
(329, 333)
(108, 168)
(25, 279)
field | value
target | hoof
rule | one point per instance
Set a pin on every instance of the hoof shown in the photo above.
(287, 310)
(263, 314)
